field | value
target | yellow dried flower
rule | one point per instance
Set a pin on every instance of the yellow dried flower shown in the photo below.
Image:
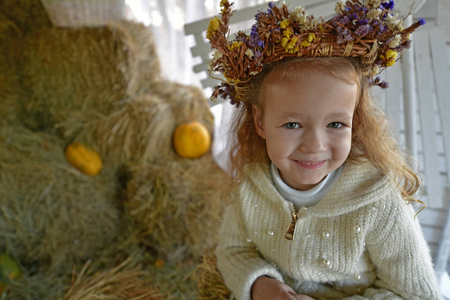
(287, 33)
(234, 45)
(391, 54)
(284, 23)
(291, 45)
(390, 63)
(305, 44)
(311, 37)
(212, 27)
(295, 50)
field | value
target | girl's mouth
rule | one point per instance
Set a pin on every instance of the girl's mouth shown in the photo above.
(310, 164)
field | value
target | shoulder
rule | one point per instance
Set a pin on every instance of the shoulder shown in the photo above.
(256, 188)
(256, 177)
(359, 185)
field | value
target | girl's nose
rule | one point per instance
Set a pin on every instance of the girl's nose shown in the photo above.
(313, 141)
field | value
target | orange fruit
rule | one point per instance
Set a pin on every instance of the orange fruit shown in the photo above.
(191, 140)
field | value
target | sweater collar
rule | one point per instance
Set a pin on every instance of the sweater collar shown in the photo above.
(358, 185)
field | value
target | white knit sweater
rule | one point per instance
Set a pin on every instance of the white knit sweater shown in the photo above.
(360, 242)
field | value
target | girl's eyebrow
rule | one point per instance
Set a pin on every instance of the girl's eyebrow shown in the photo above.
(345, 114)
(291, 114)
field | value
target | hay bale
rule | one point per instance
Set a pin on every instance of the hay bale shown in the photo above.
(188, 103)
(52, 215)
(138, 131)
(10, 88)
(69, 69)
(211, 285)
(85, 69)
(175, 206)
(140, 65)
(11, 91)
(116, 283)
(22, 15)
(37, 286)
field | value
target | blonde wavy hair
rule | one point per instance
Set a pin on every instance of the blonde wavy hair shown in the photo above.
(371, 136)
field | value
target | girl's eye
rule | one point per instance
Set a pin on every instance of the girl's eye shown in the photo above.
(292, 125)
(335, 125)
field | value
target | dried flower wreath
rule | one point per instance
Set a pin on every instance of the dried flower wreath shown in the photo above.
(361, 28)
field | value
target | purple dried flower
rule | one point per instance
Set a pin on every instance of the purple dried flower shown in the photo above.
(354, 16)
(381, 83)
(384, 84)
(405, 45)
(422, 21)
(343, 35)
(363, 30)
(378, 62)
(335, 18)
(389, 5)
(254, 37)
(272, 4)
(258, 15)
(344, 20)
(362, 22)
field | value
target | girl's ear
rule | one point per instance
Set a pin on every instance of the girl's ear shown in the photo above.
(258, 120)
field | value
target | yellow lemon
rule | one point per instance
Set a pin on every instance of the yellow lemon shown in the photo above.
(83, 158)
(191, 140)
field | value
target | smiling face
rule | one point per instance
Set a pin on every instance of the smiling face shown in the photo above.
(307, 124)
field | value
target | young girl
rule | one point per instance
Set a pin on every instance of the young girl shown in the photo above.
(320, 209)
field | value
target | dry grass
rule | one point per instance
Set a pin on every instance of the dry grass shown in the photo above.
(176, 206)
(113, 284)
(210, 283)
(51, 214)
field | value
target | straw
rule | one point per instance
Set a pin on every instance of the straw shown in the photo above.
(211, 285)
(69, 69)
(51, 213)
(112, 284)
(176, 206)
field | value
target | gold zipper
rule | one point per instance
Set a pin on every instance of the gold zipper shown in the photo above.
(290, 232)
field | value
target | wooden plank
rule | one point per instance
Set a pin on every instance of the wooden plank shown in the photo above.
(409, 98)
(432, 217)
(317, 8)
(425, 76)
(443, 12)
(394, 98)
(441, 66)
(432, 234)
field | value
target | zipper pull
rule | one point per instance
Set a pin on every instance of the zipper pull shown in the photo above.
(290, 232)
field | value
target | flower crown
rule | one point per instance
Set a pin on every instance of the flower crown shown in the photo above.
(361, 28)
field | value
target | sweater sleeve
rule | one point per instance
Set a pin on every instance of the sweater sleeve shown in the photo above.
(237, 258)
(401, 256)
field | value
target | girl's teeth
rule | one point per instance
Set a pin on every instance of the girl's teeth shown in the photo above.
(310, 164)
